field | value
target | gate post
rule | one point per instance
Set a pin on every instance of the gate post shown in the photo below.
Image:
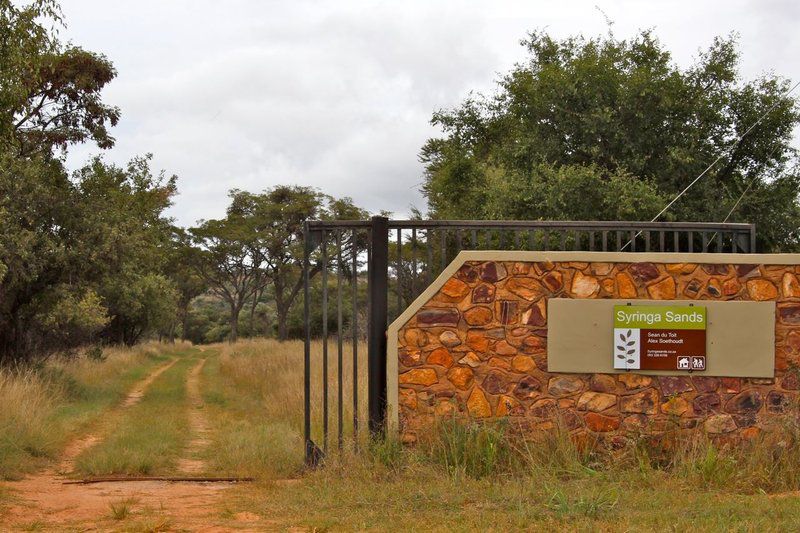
(378, 322)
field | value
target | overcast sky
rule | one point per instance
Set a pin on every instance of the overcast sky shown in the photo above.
(338, 95)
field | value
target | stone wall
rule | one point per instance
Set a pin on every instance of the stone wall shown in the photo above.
(478, 348)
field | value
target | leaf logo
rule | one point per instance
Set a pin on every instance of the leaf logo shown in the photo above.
(625, 347)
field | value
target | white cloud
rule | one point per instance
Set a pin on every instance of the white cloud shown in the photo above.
(249, 94)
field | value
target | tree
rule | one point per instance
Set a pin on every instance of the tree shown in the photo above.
(229, 263)
(277, 217)
(49, 94)
(622, 111)
(185, 277)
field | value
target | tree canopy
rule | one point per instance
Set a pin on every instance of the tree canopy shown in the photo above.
(605, 128)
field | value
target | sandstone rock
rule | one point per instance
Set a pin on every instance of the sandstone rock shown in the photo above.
(731, 287)
(438, 317)
(521, 269)
(644, 272)
(745, 420)
(445, 408)
(493, 272)
(508, 312)
(626, 288)
(635, 422)
(416, 337)
(714, 288)
(692, 288)
(544, 408)
(705, 384)
(634, 381)
(554, 281)
(564, 385)
(418, 376)
(441, 357)
(496, 382)
(470, 360)
(543, 266)
(578, 265)
(461, 377)
(527, 288)
(707, 403)
(455, 288)
(644, 402)
(483, 294)
(681, 268)
(527, 388)
(731, 384)
(793, 341)
(602, 269)
(468, 273)
(533, 344)
(608, 285)
(790, 286)
(523, 364)
(504, 348)
(449, 338)
(748, 401)
(750, 433)
(761, 289)
(478, 316)
(671, 385)
(499, 362)
(584, 286)
(601, 423)
(477, 404)
(716, 269)
(603, 383)
(596, 401)
(778, 402)
(662, 290)
(509, 406)
(534, 316)
(408, 438)
(719, 424)
(789, 314)
(790, 381)
(477, 340)
(747, 271)
(409, 357)
(675, 406)
(408, 398)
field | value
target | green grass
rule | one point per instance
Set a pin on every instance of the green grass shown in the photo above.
(46, 406)
(148, 437)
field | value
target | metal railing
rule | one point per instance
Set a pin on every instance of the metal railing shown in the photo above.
(387, 263)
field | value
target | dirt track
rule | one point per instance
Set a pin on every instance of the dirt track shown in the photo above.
(44, 502)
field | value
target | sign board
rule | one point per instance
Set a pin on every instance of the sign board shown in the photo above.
(648, 337)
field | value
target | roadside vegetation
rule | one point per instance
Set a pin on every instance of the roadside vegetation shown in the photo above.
(46, 405)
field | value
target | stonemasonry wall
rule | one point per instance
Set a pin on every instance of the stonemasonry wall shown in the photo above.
(478, 348)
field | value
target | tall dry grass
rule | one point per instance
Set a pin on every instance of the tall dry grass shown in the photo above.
(45, 405)
(256, 387)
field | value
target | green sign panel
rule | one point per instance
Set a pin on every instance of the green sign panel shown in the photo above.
(655, 337)
(660, 316)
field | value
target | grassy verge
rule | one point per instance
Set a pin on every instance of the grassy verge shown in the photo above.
(253, 397)
(46, 406)
(467, 478)
(148, 437)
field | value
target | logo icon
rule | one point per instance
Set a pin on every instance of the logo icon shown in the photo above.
(684, 363)
(698, 363)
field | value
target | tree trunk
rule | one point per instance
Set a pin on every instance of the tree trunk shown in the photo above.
(234, 322)
(185, 326)
(283, 319)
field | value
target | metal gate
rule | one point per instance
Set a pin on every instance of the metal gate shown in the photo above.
(375, 268)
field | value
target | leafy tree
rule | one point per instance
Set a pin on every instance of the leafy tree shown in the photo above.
(181, 270)
(580, 113)
(227, 260)
(277, 217)
(49, 94)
